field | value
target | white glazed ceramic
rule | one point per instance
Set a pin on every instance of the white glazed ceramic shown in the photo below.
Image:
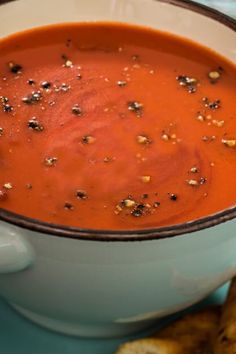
(102, 284)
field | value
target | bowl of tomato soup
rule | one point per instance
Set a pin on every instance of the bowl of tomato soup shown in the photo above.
(118, 155)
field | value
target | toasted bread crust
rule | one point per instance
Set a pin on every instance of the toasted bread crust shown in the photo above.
(194, 332)
(225, 342)
(150, 346)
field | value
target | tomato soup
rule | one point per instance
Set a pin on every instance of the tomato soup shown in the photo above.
(112, 126)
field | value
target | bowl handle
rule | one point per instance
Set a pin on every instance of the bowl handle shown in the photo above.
(16, 253)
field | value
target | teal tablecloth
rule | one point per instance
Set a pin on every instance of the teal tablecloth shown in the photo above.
(227, 6)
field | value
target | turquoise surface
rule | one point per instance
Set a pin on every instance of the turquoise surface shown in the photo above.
(227, 6)
(19, 336)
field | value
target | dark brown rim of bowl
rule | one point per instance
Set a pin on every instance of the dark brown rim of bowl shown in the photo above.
(142, 234)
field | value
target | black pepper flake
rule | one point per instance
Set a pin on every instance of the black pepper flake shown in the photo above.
(140, 206)
(156, 204)
(29, 186)
(32, 98)
(121, 83)
(143, 139)
(190, 83)
(1, 131)
(7, 108)
(108, 159)
(194, 169)
(211, 104)
(76, 110)
(214, 104)
(135, 107)
(50, 161)
(185, 80)
(68, 206)
(67, 62)
(79, 77)
(80, 194)
(35, 125)
(135, 208)
(192, 89)
(14, 68)
(173, 197)
(46, 85)
(88, 139)
(3, 99)
(202, 180)
(31, 82)
(136, 213)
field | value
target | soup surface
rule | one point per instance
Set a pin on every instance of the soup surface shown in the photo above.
(111, 126)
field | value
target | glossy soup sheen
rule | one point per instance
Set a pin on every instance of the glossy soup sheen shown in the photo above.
(111, 126)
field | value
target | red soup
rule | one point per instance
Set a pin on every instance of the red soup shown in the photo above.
(112, 126)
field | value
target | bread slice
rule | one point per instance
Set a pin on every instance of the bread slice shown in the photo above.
(225, 342)
(150, 346)
(202, 323)
(192, 334)
(195, 332)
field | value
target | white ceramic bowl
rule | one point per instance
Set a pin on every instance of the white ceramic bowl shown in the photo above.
(95, 283)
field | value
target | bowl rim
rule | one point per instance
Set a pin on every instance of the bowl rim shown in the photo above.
(158, 233)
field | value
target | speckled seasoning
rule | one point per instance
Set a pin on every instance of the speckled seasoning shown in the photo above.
(46, 85)
(72, 149)
(136, 107)
(30, 82)
(14, 68)
(32, 98)
(76, 110)
(35, 125)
